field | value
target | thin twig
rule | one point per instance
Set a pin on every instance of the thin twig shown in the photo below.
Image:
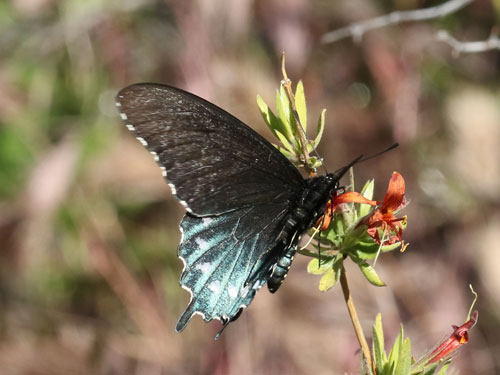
(355, 320)
(287, 84)
(357, 29)
(493, 42)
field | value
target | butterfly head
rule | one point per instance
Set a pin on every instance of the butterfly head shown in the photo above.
(332, 181)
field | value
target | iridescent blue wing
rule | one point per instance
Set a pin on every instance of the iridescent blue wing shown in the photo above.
(224, 262)
(213, 162)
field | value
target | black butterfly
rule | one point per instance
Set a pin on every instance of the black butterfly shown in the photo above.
(247, 204)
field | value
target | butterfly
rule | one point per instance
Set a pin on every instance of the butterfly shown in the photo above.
(247, 204)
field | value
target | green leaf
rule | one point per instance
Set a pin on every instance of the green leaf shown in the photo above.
(353, 237)
(368, 271)
(287, 154)
(290, 119)
(390, 247)
(444, 369)
(285, 143)
(300, 104)
(366, 248)
(367, 192)
(327, 281)
(337, 267)
(395, 351)
(338, 225)
(314, 254)
(404, 362)
(321, 128)
(316, 268)
(332, 275)
(270, 119)
(379, 354)
(426, 370)
(335, 231)
(284, 113)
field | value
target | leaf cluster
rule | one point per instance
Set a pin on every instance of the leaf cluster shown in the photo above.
(284, 126)
(399, 361)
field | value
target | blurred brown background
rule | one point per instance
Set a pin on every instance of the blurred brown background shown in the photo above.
(88, 228)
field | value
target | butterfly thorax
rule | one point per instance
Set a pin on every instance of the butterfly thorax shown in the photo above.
(310, 206)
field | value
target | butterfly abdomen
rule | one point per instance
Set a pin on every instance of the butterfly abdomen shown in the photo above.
(281, 269)
(310, 207)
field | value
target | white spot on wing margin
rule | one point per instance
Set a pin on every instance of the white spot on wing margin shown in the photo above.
(155, 156)
(131, 128)
(172, 186)
(143, 141)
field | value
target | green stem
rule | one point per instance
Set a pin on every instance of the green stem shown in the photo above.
(355, 320)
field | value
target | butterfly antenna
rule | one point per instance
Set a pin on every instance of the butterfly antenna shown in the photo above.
(341, 171)
(391, 147)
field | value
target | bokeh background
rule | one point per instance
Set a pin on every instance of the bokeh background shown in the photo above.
(89, 230)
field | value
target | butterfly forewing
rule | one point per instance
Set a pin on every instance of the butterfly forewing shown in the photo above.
(213, 162)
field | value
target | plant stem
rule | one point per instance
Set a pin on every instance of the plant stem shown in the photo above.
(355, 320)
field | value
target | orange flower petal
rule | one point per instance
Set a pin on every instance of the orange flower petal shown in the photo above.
(394, 196)
(383, 216)
(327, 218)
(352, 197)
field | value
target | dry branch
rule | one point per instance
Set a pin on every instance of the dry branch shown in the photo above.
(492, 43)
(358, 29)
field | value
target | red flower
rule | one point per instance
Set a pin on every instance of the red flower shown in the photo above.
(331, 206)
(459, 337)
(384, 215)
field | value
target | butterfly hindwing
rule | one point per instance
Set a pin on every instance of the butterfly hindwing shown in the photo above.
(227, 259)
(213, 162)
